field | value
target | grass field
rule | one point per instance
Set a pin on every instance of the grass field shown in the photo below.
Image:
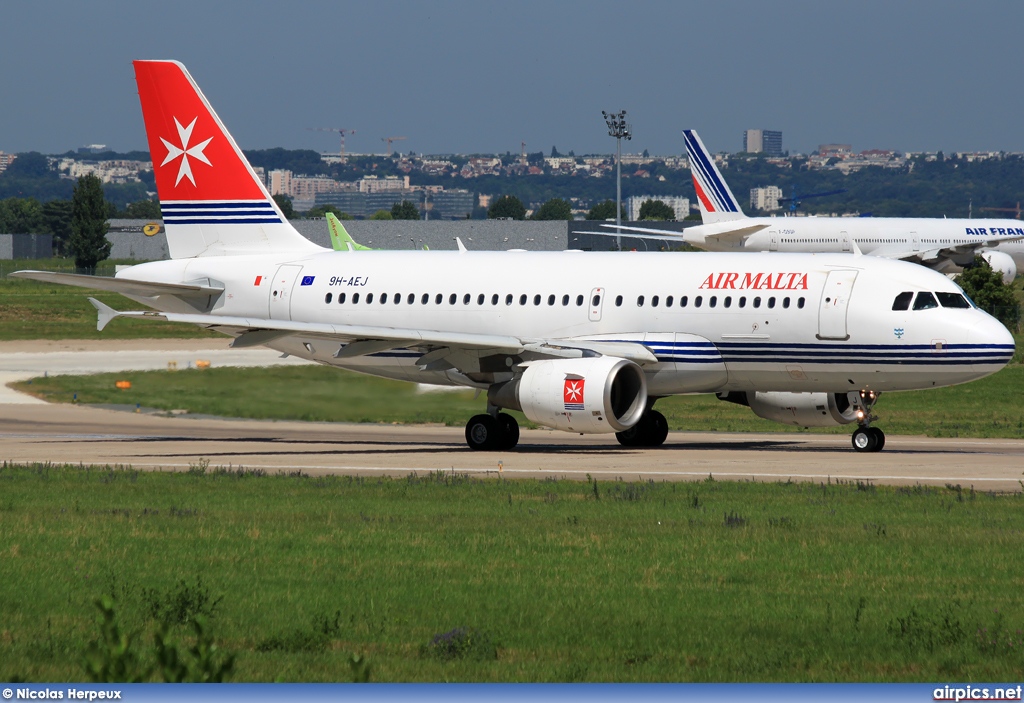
(557, 580)
(991, 407)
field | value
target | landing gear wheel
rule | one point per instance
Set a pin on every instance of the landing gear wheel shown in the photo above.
(657, 429)
(483, 433)
(650, 431)
(509, 430)
(879, 438)
(866, 439)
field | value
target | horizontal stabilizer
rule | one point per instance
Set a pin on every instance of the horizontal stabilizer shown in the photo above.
(124, 286)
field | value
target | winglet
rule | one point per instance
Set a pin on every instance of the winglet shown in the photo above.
(855, 247)
(106, 314)
(462, 247)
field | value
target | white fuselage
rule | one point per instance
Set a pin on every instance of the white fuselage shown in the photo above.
(772, 322)
(886, 236)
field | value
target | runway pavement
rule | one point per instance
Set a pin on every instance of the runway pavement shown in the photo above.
(40, 432)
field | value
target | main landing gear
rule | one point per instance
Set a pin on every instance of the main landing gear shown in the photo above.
(867, 438)
(493, 431)
(650, 431)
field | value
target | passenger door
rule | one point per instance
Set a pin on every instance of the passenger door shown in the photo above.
(281, 291)
(835, 299)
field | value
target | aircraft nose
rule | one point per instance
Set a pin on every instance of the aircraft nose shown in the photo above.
(997, 342)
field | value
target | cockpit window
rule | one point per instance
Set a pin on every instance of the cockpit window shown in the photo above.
(952, 300)
(902, 301)
(925, 301)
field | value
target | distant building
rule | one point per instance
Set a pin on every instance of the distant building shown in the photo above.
(5, 160)
(454, 204)
(839, 150)
(766, 198)
(280, 182)
(680, 205)
(762, 141)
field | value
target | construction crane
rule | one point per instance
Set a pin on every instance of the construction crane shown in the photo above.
(1015, 210)
(342, 132)
(389, 140)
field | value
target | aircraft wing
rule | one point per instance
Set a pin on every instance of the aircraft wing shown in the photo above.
(956, 252)
(199, 289)
(441, 349)
(725, 233)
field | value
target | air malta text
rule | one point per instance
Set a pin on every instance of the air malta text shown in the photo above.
(990, 231)
(756, 281)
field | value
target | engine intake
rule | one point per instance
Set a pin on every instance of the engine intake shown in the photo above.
(800, 409)
(589, 395)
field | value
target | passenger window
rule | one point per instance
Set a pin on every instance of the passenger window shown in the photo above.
(743, 301)
(536, 299)
(925, 301)
(355, 298)
(668, 302)
(682, 302)
(618, 301)
(771, 302)
(596, 301)
(327, 298)
(398, 298)
(494, 299)
(480, 299)
(728, 301)
(452, 298)
(508, 299)
(341, 298)
(383, 298)
(785, 302)
(639, 301)
(369, 298)
(800, 303)
(654, 302)
(757, 301)
(438, 298)
(713, 301)
(425, 299)
(551, 300)
(949, 300)
(902, 301)
(579, 301)
(697, 301)
(522, 299)
(565, 300)
(466, 298)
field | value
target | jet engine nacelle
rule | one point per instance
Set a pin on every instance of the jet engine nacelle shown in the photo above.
(1003, 263)
(589, 395)
(800, 409)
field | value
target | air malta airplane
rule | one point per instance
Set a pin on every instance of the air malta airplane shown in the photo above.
(580, 342)
(940, 244)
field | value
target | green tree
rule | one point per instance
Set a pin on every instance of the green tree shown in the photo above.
(507, 207)
(285, 203)
(381, 215)
(57, 217)
(88, 242)
(554, 209)
(985, 287)
(405, 210)
(21, 216)
(142, 210)
(656, 210)
(604, 211)
(322, 210)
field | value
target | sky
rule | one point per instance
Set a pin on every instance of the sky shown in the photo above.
(458, 76)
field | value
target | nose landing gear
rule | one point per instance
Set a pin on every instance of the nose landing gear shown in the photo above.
(867, 438)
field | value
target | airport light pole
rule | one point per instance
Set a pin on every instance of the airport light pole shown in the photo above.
(618, 128)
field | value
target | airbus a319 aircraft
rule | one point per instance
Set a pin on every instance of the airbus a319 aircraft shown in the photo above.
(581, 342)
(945, 245)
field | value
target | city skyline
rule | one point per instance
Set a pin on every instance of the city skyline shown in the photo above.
(461, 77)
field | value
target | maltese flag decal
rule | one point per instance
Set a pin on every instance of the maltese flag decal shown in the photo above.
(572, 393)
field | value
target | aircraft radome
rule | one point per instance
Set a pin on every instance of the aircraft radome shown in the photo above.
(581, 342)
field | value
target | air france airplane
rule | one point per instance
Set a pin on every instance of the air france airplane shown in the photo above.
(945, 245)
(580, 342)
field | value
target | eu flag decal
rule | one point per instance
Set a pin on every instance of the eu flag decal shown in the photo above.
(307, 280)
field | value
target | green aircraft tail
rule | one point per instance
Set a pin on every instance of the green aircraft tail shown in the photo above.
(340, 238)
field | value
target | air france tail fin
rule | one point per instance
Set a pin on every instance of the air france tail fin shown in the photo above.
(213, 203)
(341, 240)
(717, 203)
